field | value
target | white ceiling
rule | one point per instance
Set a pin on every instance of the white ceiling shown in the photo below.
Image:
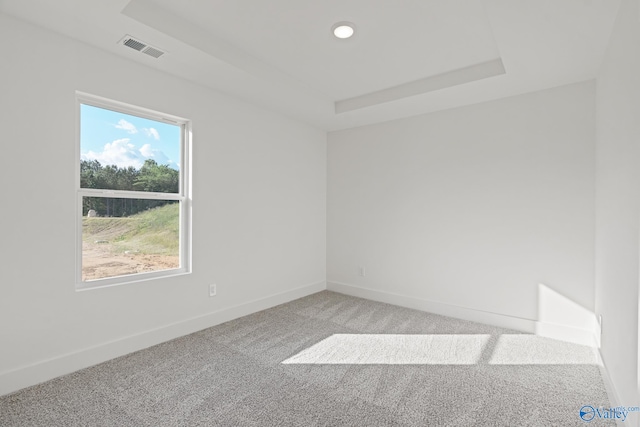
(408, 56)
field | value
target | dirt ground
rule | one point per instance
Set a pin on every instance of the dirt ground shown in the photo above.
(98, 262)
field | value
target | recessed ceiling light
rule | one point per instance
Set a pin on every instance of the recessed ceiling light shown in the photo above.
(343, 30)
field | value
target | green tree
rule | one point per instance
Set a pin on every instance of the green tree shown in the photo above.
(157, 178)
(150, 177)
(89, 172)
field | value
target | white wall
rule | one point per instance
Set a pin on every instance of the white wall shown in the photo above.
(618, 202)
(259, 218)
(473, 207)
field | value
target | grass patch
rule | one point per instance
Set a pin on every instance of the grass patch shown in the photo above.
(156, 231)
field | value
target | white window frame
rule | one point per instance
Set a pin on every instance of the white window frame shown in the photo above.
(183, 196)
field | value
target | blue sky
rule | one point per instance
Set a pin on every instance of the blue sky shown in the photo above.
(123, 140)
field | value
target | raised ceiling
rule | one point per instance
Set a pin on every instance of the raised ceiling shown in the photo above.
(407, 57)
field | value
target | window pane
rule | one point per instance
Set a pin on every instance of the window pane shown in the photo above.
(128, 236)
(124, 152)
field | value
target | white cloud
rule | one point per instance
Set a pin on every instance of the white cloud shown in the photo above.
(123, 154)
(146, 150)
(152, 132)
(158, 155)
(119, 152)
(125, 125)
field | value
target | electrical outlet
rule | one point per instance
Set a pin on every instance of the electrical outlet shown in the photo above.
(212, 290)
(362, 271)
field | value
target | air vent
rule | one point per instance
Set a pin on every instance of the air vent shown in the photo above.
(152, 51)
(141, 46)
(134, 44)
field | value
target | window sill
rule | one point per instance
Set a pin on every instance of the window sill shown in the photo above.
(129, 279)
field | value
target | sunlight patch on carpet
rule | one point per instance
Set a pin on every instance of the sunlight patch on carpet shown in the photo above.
(394, 349)
(524, 349)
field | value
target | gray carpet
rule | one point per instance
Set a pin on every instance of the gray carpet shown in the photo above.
(327, 360)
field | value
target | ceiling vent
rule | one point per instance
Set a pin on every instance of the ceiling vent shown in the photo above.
(141, 46)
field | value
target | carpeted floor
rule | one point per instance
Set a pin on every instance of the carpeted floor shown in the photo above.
(328, 360)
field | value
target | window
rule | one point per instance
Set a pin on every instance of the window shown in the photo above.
(132, 194)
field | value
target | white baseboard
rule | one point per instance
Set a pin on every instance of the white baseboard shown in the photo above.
(550, 330)
(45, 370)
(614, 399)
